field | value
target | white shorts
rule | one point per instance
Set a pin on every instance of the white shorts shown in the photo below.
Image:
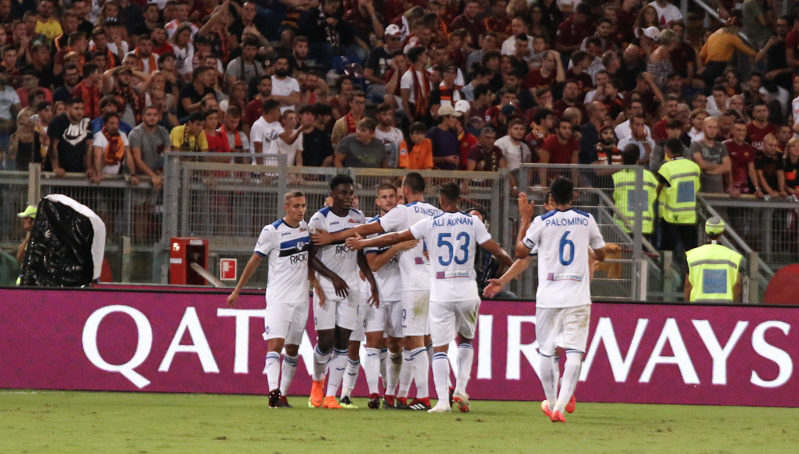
(285, 321)
(453, 317)
(337, 311)
(566, 328)
(361, 312)
(415, 312)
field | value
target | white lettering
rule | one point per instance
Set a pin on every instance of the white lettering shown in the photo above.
(620, 366)
(516, 348)
(144, 343)
(671, 334)
(241, 363)
(768, 351)
(713, 347)
(199, 345)
(486, 324)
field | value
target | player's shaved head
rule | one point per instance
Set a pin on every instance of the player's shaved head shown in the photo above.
(414, 182)
(562, 190)
(450, 191)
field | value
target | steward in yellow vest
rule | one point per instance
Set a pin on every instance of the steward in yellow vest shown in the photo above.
(628, 200)
(679, 184)
(713, 269)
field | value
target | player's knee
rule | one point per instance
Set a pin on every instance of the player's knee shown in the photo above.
(326, 339)
(275, 345)
(464, 340)
(292, 350)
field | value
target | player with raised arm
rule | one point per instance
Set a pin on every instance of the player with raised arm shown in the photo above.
(336, 316)
(563, 298)
(452, 238)
(285, 244)
(414, 271)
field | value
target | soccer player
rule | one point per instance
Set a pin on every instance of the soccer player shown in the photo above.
(335, 265)
(414, 271)
(285, 244)
(387, 319)
(454, 301)
(563, 298)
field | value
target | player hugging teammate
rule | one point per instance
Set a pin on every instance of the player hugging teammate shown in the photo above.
(422, 258)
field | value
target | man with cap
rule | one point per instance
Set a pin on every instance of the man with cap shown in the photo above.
(27, 216)
(446, 148)
(713, 269)
(379, 61)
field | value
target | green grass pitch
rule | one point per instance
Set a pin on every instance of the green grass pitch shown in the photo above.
(101, 422)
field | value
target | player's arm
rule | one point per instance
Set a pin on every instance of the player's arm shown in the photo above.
(322, 237)
(496, 250)
(687, 289)
(380, 241)
(367, 273)
(495, 285)
(342, 289)
(525, 218)
(249, 270)
(377, 260)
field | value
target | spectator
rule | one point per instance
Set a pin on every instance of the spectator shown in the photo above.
(217, 143)
(9, 108)
(189, 136)
(292, 150)
(255, 107)
(298, 61)
(379, 62)
(574, 29)
(347, 124)
(470, 21)
(639, 137)
(25, 144)
(266, 131)
(70, 141)
(244, 67)
(108, 104)
(659, 133)
(420, 157)
(659, 155)
(667, 13)
(110, 149)
(712, 157)
(71, 78)
(238, 142)
(623, 129)
(415, 86)
(606, 150)
(201, 88)
(148, 143)
(317, 150)
(720, 47)
(181, 18)
(697, 119)
(446, 149)
(770, 170)
(759, 127)
(390, 135)
(361, 149)
(589, 132)
(551, 71)
(446, 93)
(790, 167)
(558, 148)
(146, 60)
(285, 88)
(485, 156)
(46, 24)
(754, 23)
(743, 176)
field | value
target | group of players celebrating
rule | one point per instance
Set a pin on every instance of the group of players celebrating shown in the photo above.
(405, 283)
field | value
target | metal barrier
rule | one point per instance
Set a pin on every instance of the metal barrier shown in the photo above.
(229, 202)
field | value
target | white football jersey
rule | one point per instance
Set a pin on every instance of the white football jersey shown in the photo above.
(286, 249)
(414, 266)
(389, 282)
(452, 239)
(336, 256)
(561, 239)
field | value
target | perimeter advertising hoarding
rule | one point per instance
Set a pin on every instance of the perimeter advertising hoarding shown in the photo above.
(191, 342)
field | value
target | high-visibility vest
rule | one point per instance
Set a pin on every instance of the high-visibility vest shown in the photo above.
(629, 201)
(712, 270)
(679, 204)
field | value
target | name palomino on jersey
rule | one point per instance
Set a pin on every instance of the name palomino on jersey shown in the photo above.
(441, 222)
(563, 222)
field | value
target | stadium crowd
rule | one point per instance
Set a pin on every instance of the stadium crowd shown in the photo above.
(106, 87)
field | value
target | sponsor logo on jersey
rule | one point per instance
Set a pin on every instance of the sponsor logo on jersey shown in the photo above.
(353, 221)
(564, 277)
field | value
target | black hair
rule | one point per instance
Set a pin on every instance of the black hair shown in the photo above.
(74, 100)
(414, 182)
(674, 146)
(562, 190)
(450, 191)
(341, 178)
(308, 108)
(414, 53)
(270, 105)
(630, 154)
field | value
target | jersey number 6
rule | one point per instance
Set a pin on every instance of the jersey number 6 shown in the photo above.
(565, 243)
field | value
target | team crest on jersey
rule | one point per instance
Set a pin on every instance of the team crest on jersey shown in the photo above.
(353, 221)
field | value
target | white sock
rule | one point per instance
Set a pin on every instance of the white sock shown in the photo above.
(287, 373)
(272, 370)
(429, 348)
(549, 378)
(350, 376)
(383, 355)
(406, 374)
(371, 368)
(421, 370)
(440, 374)
(337, 365)
(393, 366)
(320, 362)
(465, 359)
(571, 373)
